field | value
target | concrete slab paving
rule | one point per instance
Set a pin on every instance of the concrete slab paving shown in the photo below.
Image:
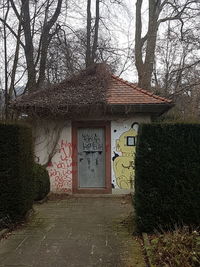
(76, 232)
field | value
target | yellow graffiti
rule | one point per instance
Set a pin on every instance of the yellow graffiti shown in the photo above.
(124, 164)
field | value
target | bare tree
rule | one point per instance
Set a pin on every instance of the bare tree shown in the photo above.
(177, 71)
(45, 40)
(159, 11)
(6, 8)
(36, 57)
(92, 34)
(67, 51)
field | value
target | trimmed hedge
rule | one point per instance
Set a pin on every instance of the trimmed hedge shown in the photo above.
(167, 176)
(16, 164)
(42, 182)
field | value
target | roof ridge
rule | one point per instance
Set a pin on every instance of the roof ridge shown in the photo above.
(141, 90)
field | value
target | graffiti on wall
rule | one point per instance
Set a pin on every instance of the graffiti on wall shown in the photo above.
(123, 160)
(60, 169)
(92, 142)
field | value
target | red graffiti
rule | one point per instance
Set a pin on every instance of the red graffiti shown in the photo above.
(60, 169)
(50, 164)
(65, 150)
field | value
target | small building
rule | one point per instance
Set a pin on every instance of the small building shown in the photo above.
(85, 130)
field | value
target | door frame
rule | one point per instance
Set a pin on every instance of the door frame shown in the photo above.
(91, 124)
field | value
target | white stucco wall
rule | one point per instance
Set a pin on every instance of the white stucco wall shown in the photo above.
(55, 137)
(122, 161)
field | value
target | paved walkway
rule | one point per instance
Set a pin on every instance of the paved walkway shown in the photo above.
(74, 232)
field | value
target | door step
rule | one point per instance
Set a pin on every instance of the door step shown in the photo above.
(101, 195)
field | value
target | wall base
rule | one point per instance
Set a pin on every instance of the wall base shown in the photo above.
(122, 191)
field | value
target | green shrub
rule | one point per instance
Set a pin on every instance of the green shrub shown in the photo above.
(16, 164)
(167, 178)
(42, 182)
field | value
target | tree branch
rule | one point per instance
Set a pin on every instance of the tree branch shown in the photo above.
(12, 31)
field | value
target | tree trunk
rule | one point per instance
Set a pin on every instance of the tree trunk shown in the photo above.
(88, 45)
(145, 66)
(29, 49)
(6, 59)
(150, 46)
(96, 32)
(15, 62)
(138, 41)
(46, 37)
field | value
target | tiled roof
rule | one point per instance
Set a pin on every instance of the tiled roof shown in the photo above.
(90, 88)
(123, 92)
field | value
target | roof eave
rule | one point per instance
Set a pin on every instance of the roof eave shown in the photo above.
(155, 109)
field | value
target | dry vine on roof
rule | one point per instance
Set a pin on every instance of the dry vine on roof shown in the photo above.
(78, 95)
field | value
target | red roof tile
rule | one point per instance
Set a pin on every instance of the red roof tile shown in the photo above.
(91, 87)
(123, 92)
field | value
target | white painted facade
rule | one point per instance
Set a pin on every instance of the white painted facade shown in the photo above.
(53, 139)
(119, 128)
